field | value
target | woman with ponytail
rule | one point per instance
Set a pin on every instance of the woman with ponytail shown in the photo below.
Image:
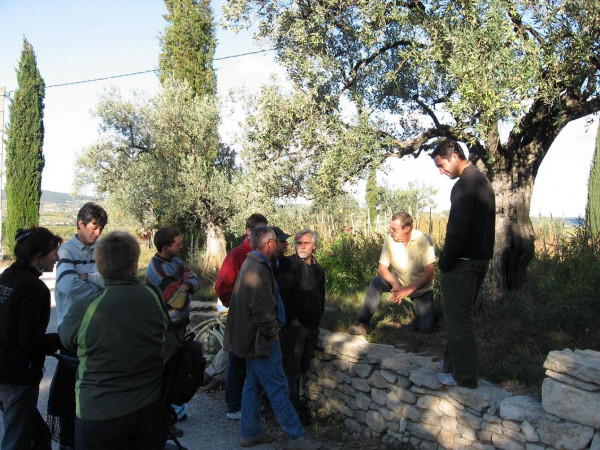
(24, 315)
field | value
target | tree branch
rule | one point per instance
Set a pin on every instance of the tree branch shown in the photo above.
(428, 110)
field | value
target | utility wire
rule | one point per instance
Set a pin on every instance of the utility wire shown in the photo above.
(7, 93)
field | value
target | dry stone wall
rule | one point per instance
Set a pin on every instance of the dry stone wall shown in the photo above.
(385, 392)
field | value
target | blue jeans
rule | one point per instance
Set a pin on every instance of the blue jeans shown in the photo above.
(234, 383)
(423, 304)
(18, 403)
(268, 373)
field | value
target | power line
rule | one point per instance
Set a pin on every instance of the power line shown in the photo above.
(7, 94)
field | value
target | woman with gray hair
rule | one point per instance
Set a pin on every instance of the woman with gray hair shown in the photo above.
(119, 339)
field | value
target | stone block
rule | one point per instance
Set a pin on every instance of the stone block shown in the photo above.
(431, 418)
(516, 435)
(530, 446)
(571, 403)
(361, 370)
(380, 396)
(375, 422)
(449, 424)
(426, 377)
(567, 379)
(583, 365)
(327, 383)
(460, 443)
(390, 377)
(423, 430)
(564, 435)
(467, 432)
(506, 443)
(362, 401)
(446, 438)
(521, 408)
(447, 408)
(479, 399)
(509, 424)
(353, 425)
(428, 402)
(595, 441)
(361, 385)
(401, 395)
(529, 432)
(468, 419)
(341, 365)
(412, 413)
(377, 380)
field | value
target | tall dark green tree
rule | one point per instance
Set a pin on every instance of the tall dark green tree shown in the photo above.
(188, 45)
(24, 157)
(592, 210)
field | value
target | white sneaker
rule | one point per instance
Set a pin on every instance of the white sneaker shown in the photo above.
(234, 415)
(446, 378)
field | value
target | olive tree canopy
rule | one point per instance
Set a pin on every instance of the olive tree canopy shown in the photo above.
(378, 79)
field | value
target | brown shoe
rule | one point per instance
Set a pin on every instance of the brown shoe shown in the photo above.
(358, 329)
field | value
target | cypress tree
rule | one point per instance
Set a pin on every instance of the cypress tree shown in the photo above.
(188, 45)
(592, 210)
(24, 158)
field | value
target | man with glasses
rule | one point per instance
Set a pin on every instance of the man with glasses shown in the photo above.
(410, 253)
(254, 321)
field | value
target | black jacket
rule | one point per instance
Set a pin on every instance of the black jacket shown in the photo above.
(302, 289)
(24, 316)
(471, 226)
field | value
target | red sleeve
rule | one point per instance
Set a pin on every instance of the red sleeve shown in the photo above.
(229, 271)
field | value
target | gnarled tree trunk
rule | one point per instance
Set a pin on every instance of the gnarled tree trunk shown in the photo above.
(215, 248)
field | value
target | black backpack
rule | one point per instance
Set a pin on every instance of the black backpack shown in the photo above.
(184, 371)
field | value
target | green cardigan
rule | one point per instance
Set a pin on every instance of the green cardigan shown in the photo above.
(119, 339)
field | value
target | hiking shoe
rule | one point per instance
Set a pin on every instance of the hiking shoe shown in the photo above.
(446, 378)
(234, 415)
(441, 367)
(212, 385)
(261, 438)
(303, 443)
(358, 328)
(175, 432)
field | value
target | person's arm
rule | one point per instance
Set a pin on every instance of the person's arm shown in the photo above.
(461, 212)
(33, 321)
(190, 281)
(69, 327)
(286, 283)
(226, 279)
(405, 291)
(68, 281)
(261, 301)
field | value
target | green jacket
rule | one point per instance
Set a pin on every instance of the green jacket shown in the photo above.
(119, 338)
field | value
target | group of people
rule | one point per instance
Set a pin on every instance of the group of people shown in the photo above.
(115, 333)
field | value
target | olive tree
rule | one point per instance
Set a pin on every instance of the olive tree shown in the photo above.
(387, 79)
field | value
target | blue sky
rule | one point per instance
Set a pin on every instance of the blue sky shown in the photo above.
(76, 41)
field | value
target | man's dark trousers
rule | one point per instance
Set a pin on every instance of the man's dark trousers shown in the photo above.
(460, 286)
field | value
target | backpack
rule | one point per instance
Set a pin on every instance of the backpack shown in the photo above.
(184, 370)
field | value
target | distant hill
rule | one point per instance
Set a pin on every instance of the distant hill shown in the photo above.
(56, 197)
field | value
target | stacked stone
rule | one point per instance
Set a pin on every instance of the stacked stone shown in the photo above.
(384, 392)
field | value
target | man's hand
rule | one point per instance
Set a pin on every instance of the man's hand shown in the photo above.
(188, 274)
(83, 276)
(295, 322)
(184, 287)
(398, 293)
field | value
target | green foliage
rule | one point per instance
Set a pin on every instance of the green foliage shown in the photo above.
(372, 194)
(160, 160)
(24, 157)
(188, 45)
(592, 210)
(351, 261)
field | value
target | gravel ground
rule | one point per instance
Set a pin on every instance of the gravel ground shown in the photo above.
(207, 427)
